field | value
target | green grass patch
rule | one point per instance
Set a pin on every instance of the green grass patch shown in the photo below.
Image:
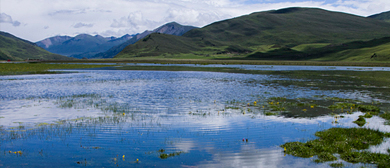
(344, 141)
(386, 116)
(360, 121)
(166, 156)
(369, 108)
(308, 47)
(40, 68)
(336, 165)
(270, 114)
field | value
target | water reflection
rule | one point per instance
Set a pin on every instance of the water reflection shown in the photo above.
(112, 118)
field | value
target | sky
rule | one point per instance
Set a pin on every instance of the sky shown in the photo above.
(35, 20)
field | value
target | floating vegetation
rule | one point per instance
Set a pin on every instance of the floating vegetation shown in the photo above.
(325, 157)
(270, 113)
(16, 152)
(386, 116)
(348, 142)
(369, 108)
(166, 156)
(360, 121)
(336, 165)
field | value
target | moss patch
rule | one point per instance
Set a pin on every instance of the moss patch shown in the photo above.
(166, 156)
(360, 121)
(344, 141)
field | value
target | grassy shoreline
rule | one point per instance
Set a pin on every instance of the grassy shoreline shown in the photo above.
(39, 68)
(227, 61)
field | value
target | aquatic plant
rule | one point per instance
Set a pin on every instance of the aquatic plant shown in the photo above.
(360, 121)
(369, 108)
(336, 165)
(386, 116)
(345, 141)
(166, 156)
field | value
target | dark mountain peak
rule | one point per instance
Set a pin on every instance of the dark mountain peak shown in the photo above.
(46, 43)
(173, 28)
(381, 16)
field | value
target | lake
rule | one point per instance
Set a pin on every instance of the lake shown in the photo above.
(113, 117)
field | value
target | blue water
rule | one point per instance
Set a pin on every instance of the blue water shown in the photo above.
(111, 118)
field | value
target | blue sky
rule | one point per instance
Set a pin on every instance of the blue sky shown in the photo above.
(36, 20)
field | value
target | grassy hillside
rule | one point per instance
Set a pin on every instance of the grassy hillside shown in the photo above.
(283, 28)
(171, 28)
(385, 16)
(17, 49)
(156, 44)
(366, 51)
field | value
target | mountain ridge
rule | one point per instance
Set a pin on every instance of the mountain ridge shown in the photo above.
(81, 45)
(284, 27)
(385, 16)
(17, 49)
(171, 28)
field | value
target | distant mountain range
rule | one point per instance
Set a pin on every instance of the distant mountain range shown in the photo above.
(250, 34)
(16, 49)
(285, 34)
(82, 45)
(87, 46)
(172, 28)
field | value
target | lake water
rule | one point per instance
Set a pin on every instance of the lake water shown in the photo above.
(111, 118)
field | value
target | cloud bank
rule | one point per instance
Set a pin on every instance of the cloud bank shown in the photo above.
(119, 17)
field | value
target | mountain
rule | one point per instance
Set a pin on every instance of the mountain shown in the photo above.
(172, 28)
(247, 34)
(82, 45)
(16, 49)
(385, 16)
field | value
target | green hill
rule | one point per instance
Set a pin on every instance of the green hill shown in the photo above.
(171, 28)
(16, 49)
(156, 44)
(385, 16)
(372, 50)
(249, 34)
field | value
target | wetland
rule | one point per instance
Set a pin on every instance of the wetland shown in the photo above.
(169, 115)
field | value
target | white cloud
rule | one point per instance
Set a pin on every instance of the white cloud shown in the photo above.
(4, 18)
(119, 17)
(79, 25)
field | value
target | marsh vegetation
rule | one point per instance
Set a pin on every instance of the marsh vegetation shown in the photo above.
(195, 116)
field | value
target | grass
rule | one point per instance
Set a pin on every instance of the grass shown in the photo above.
(166, 156)
(40, 68)
(348, 142)
(336, 165)
(265, 35)
(360, 121)
(17, 49)
(386, 116)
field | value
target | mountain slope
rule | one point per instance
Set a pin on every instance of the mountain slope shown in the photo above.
(17, 49)
(385, 16)
(80, 46)
(172, 28)
(285, 27)
(372, 50)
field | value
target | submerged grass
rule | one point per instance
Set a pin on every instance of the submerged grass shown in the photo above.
(348, 142)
